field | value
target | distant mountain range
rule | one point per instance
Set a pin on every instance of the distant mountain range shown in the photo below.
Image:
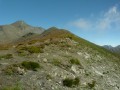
(113, 49)
(16, 30)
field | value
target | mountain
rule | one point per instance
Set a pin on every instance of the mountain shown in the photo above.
(113, 49)
(57, 60)
(14, 31)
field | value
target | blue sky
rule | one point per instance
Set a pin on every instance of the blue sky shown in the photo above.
(95, 20)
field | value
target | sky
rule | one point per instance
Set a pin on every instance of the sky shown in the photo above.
(95, 20)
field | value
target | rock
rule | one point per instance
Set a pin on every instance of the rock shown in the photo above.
(67, 52)
(79, 53)
(38, 56)
(45, 60)
(73, 68)
(20, 71)
(87, 55)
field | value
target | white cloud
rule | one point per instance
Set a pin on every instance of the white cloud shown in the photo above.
(108, 20)
(81, 23)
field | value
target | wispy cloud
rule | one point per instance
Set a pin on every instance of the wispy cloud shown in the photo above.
(81, 23)
(108, 20)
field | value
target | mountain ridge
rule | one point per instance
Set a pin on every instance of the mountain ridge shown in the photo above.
(113, 49)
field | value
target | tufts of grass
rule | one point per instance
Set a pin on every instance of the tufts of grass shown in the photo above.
(92, 85)
(26, 50)
(7, 56)
(26, 65)
(29, 65)
(48, 77)
(11, 70)
(22, 52)
(75, 61)
(14, 87)
(56, 62)
(33, 49)
(71, 82)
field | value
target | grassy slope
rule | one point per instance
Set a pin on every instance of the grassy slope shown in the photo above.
(53, 33)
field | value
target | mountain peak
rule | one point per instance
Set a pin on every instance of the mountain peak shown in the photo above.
(16, 30)
(20, 23)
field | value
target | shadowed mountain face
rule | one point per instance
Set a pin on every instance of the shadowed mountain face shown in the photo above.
(56, 60)
(113, 49)
(16, 30)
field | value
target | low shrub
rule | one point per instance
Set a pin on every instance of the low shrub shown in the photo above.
(64, 45)
(33, 49)
(75, 61)
(22, 52)
(10, 70)
(56, 62)
(48, 77)
(92, 85)
(26, 50)
(71, 82)
(7, 56)
(14, 87)
(30, 65)
(42, 46)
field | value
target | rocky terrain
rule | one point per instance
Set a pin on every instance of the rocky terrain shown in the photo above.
(57, 60)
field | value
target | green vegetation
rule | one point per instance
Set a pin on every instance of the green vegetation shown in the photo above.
(30, 49)
(22, 53)
(26, 50)
(48, 77)
(10, 70)
(7, 56)
(15, 87)
(13, 69)
(64, 45)
(56, 62)
(92, 85)
(74, 61)
(30, 65)
(71, 82)
(33, 49)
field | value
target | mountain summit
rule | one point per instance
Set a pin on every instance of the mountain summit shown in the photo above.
(20, 24)
(14, 31)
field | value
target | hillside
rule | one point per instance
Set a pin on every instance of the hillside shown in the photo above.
(58, 60)
(14, 31)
